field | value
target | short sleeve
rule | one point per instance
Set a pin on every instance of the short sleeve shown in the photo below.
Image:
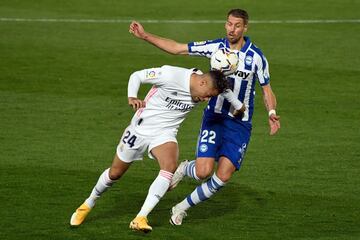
(262, 70)
(205, 48)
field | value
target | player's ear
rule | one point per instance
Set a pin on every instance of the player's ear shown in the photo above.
(245, 28)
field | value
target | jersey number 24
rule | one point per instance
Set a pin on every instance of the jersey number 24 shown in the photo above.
(129, 139)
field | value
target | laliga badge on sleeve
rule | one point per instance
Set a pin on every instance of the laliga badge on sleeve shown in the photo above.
(152, 73)
(199, 43)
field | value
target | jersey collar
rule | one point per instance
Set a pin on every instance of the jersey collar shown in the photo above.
(246, 45)
(244, 48)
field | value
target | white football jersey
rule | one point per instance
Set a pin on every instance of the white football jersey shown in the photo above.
(167, 102)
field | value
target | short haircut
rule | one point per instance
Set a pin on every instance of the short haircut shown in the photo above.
(219, 80)
(239, 13)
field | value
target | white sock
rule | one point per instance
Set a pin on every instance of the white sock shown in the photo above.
(101, 186)
(156, 191)
(202, 192)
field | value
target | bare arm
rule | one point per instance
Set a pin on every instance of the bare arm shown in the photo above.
(168, 45)
(270, 105)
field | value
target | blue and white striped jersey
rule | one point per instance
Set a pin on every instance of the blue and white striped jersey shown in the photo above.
(252, 65)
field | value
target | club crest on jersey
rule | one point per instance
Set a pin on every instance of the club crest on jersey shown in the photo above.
(203, 148)
(121, 147)
(248, 60)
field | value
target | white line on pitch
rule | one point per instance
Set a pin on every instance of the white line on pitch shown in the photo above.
(69, 20)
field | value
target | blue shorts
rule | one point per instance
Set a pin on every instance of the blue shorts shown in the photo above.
(221, 136)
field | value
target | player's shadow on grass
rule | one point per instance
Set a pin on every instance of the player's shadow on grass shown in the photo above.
(122, 203)
(232, 198)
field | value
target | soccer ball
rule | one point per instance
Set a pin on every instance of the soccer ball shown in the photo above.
(225, 61)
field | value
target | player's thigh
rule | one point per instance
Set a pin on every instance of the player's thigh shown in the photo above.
(204, 167)
(165, 150)
(166, 154)
(225, 169)
(234, 145)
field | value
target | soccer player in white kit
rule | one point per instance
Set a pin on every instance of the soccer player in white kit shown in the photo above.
(154, 127)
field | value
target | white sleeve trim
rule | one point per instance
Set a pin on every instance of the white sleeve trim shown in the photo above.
(230, 96)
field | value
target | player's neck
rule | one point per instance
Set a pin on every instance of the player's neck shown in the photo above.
(194, 83)
(193, 79)
(238, 45)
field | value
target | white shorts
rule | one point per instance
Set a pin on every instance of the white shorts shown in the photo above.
(132, 145)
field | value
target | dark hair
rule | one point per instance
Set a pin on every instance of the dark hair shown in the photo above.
(239, 13)
(219, 80)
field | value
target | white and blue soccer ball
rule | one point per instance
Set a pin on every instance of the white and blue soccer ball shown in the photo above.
(225, 61)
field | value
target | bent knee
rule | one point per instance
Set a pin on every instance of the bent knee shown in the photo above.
(115, 173)
(203, 173)
(172, 167)
(169, 166)
(224, 177)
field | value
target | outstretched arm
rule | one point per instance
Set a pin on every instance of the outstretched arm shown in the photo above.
(270, 105)
(168, 45)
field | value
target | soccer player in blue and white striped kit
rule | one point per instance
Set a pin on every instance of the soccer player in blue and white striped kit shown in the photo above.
(225, 134)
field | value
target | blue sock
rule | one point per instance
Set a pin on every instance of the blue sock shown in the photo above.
(202, 192)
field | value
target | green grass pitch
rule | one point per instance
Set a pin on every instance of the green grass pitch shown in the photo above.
(63, 107)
